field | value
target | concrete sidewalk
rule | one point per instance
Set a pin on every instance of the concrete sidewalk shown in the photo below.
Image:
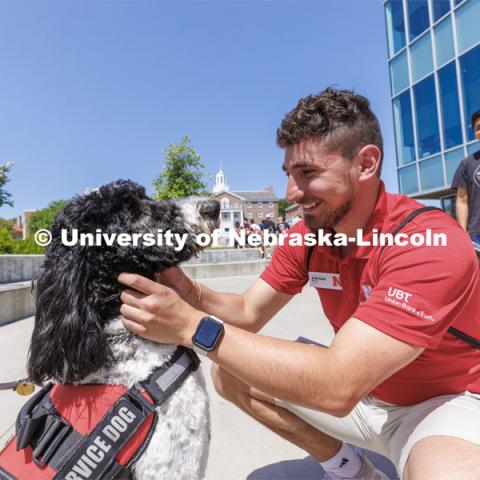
(240, 448)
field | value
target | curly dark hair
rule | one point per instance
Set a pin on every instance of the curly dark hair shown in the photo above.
(341, 119)
(475, 117)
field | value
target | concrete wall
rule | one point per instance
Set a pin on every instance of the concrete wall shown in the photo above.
(19, 268)
(16, 301)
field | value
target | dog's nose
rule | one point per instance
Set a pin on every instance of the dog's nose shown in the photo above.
(210, 209)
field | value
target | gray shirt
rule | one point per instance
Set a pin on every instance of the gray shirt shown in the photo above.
(468, 176)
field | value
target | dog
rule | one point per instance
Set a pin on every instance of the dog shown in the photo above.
(79, 337)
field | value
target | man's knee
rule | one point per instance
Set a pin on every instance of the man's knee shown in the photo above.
(443, 458)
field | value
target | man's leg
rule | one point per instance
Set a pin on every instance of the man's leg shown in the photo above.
(263, 409)
(443, 458)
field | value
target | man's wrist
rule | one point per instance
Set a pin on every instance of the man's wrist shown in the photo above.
(192, 328)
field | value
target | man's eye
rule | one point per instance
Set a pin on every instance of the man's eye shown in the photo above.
(308, 173)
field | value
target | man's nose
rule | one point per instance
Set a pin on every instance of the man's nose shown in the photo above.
(294, 192)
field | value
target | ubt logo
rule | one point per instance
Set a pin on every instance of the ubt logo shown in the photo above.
(399, 294)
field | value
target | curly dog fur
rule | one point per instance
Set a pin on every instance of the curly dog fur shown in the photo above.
(79, 336)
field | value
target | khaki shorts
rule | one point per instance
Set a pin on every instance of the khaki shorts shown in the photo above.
(393, 430)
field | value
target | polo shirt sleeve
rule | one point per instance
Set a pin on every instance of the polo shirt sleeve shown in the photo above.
(287, 271)
(460, 179)
(421, 291)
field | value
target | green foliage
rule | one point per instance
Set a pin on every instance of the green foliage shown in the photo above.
(44, 218)
(182, 174)
(6, 223)
(7, 244)
(28, 247)
(283, 203)
(5, 197)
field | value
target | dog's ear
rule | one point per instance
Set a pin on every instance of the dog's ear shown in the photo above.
(68, 341)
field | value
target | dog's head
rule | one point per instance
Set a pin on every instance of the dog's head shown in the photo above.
(77, 292)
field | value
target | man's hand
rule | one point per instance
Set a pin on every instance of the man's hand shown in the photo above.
(156, 312)
(187, 289)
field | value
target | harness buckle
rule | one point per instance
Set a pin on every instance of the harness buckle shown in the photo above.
(48, 443)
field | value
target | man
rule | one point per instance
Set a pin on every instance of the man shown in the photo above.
(282, 226)
(467, 183)
(393, 380)
(268, 224)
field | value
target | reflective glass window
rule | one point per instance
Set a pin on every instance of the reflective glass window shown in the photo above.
(452, 161)
(395, 26)
(418, 20)
(444, 49)
(440, 8)
(402, 112)
(452, 127)
(431, 173)
(427, 118)
(408, 179)
(474, 147)
(421, 56)
(399, 73)
(468, 31)
(470, 66)
(458, 1)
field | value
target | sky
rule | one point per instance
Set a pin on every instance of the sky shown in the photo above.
(95, 91)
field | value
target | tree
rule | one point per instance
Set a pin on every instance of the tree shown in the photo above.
(44, 218)
(7, 244)
(5, 197)
(28, 247)
(6, 223)
(183, 173)
(283, 203)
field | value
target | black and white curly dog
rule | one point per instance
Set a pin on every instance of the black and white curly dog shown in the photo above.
(79, 336)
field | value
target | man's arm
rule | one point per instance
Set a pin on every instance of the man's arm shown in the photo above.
(461, 207)
(251, 310)
(331, 379)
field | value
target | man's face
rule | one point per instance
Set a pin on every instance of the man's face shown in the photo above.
(476, 128)
(321, 181)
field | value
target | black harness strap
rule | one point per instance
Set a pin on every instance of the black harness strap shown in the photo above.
(475, 343)
(409, 218)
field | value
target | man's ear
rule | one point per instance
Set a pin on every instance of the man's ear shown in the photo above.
(369, 159)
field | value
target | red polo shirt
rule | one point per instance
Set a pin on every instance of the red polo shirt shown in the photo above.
(413, 294)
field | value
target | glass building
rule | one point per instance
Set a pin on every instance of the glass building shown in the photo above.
(434, 63)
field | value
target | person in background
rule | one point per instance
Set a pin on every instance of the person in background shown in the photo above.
(237, 231)
(256, 228)
(467, 183)
(282, 226)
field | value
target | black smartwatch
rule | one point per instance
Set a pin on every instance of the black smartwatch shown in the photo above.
(207, 335)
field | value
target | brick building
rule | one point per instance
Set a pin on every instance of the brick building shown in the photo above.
(236, 206)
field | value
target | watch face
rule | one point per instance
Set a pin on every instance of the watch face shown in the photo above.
(208, 333)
